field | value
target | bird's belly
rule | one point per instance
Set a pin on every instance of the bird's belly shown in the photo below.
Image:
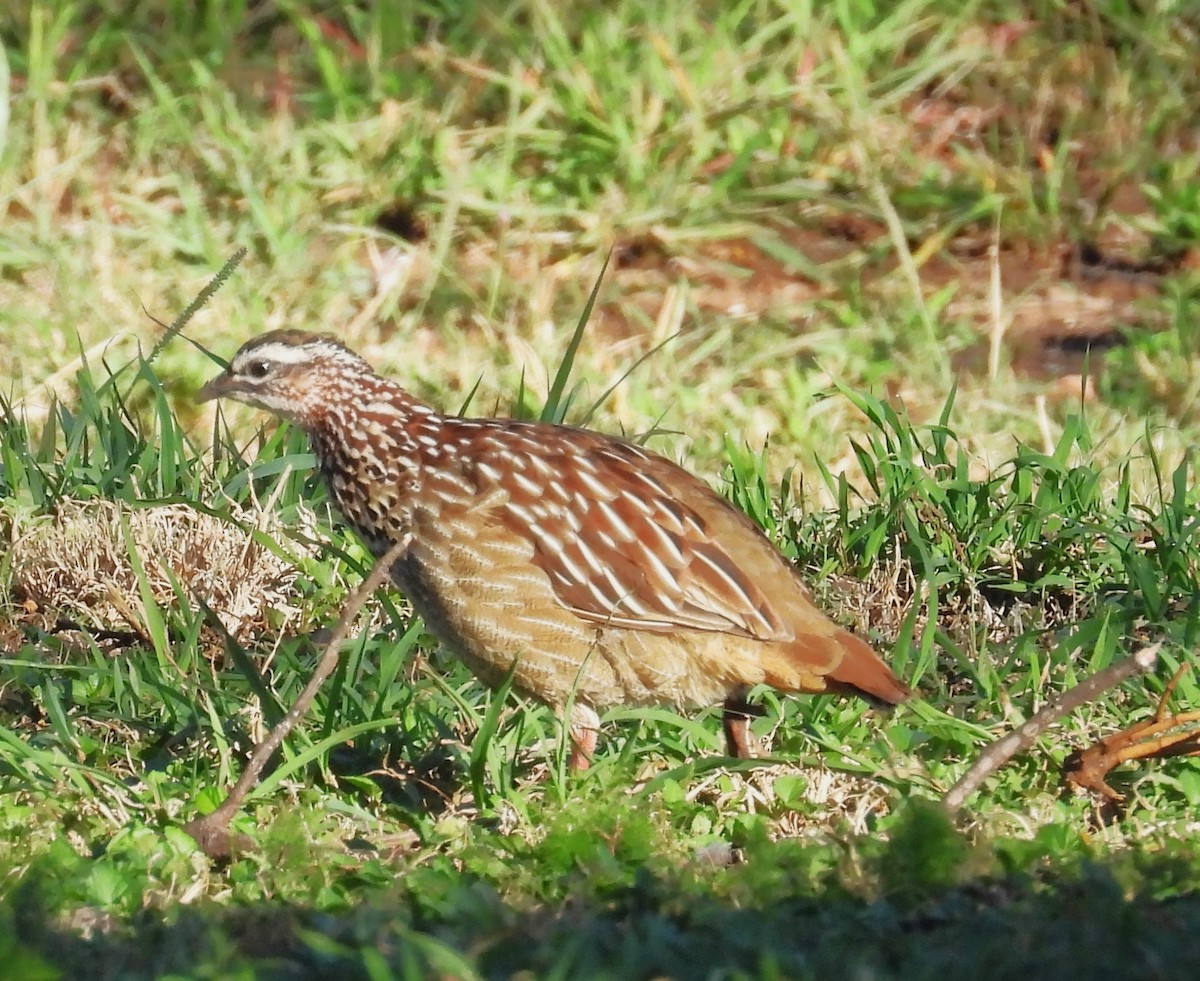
(489, 621)
(492, 607)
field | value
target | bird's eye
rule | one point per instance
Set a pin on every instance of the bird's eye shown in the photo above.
(258, 369)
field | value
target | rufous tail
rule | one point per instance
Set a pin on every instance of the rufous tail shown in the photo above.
(863, 672)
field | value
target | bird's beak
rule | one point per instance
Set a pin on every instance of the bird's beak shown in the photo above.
(223, 384)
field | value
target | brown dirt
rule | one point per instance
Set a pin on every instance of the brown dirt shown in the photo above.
(1063, 305)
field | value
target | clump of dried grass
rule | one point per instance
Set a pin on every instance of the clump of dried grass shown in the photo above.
(881, 602)
(77, 565)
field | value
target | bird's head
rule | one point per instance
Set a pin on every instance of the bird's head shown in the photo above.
(292, 373)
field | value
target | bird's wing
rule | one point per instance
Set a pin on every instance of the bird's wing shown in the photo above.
(630, 539)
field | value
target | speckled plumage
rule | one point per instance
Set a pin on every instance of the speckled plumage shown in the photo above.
(599, 568)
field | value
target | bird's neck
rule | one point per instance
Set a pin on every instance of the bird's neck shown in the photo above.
(368, 403)
(372, 428)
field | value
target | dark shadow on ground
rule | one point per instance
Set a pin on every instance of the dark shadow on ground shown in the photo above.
(779, 915)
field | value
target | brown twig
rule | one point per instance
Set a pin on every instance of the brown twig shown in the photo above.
(1148, 739)
(1161, 712)
(1088, 768)
(1005, 748)
(211, 831)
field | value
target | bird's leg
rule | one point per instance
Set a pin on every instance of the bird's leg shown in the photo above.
(736, 720)
(585, 730)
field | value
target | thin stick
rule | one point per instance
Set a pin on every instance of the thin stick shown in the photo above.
(1005, 748)
(212, 830)
(997, 326)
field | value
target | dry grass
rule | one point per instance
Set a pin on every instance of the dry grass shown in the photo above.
(78, 564)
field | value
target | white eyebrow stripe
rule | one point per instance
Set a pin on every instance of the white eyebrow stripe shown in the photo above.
(273, 351)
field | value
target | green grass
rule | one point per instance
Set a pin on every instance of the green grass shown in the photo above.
(799, 199)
